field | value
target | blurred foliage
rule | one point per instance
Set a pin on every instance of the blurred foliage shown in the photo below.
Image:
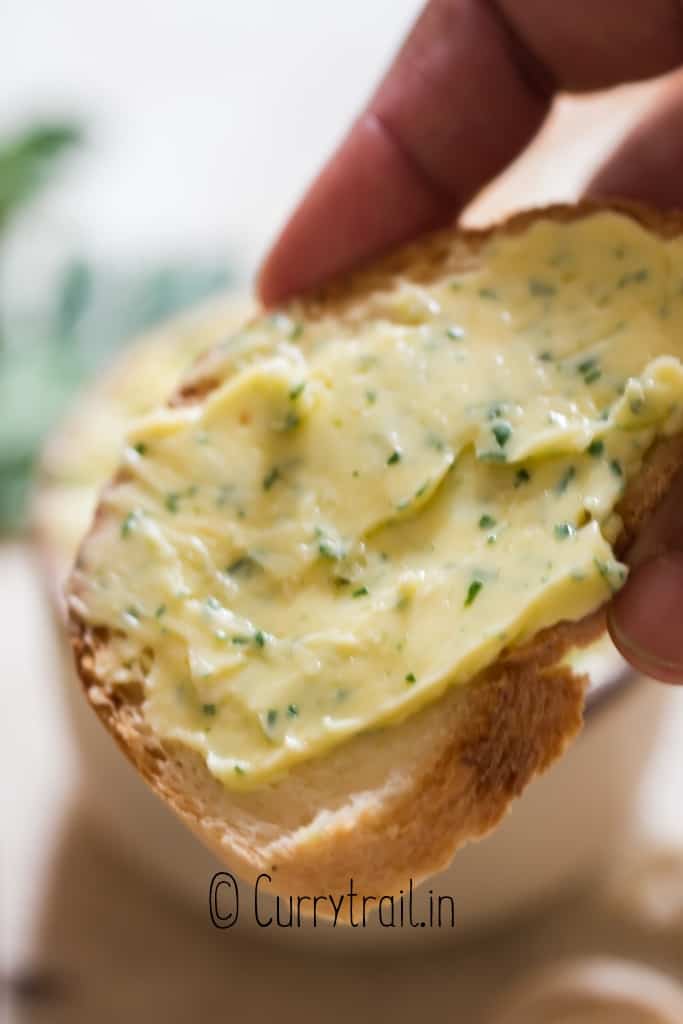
(28, 160)
(49, 349)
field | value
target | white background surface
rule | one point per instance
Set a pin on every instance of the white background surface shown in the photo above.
(207, 117)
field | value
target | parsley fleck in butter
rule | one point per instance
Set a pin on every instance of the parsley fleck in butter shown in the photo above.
(362, 514)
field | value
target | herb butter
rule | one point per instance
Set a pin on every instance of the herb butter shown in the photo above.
(84, 451)
(365, 511)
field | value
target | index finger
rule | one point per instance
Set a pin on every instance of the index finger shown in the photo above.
(468, 90)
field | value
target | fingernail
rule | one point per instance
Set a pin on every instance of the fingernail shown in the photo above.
(645, 619)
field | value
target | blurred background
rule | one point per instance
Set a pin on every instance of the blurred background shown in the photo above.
(149, 152)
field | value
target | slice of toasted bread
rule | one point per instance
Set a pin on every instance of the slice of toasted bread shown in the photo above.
(388, 805)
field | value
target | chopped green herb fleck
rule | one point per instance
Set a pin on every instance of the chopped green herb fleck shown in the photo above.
(291, 422)
(495, 411)
(492, 457)
(296, 331)
(171, 502)
(271, 478)
(209, 709)
(127, 524)
(615, 466)
(455, 333)
(394, 458)
(240, 640)
(244, 566)
(213, 603)
(634, 277)
(472, 591)
(271, 717)
(260, 638)
(410, 678)
(564, 530)
(292, 710)
(522, 476)
(360, 592)
(589, 370)
(161, 610)
(596, 448)
(488, 293)
(296, 391)
(501, 432)
(140, 448)
(565, 480)
(435, 442)
(546, 357)
(486, 522)
(327, 548)
(239, 770)
(371, 397)
(541, 289)
(613, 573)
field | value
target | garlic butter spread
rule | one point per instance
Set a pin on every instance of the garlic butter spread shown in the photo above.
(365, 512)
(84, 452)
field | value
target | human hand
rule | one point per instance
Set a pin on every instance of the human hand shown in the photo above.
(469, 89)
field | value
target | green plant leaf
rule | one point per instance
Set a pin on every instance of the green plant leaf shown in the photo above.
(28, 159)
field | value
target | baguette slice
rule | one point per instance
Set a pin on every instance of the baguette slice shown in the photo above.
(396, 804)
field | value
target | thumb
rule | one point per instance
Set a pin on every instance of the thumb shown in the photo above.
(645, 619)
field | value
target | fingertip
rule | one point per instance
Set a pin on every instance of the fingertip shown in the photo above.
(270, 290)
(645, 166)
(416, 156)
(367, 198)
(645, 619)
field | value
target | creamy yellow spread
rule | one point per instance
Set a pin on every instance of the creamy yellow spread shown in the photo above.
(84, 452)
(364, 513)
